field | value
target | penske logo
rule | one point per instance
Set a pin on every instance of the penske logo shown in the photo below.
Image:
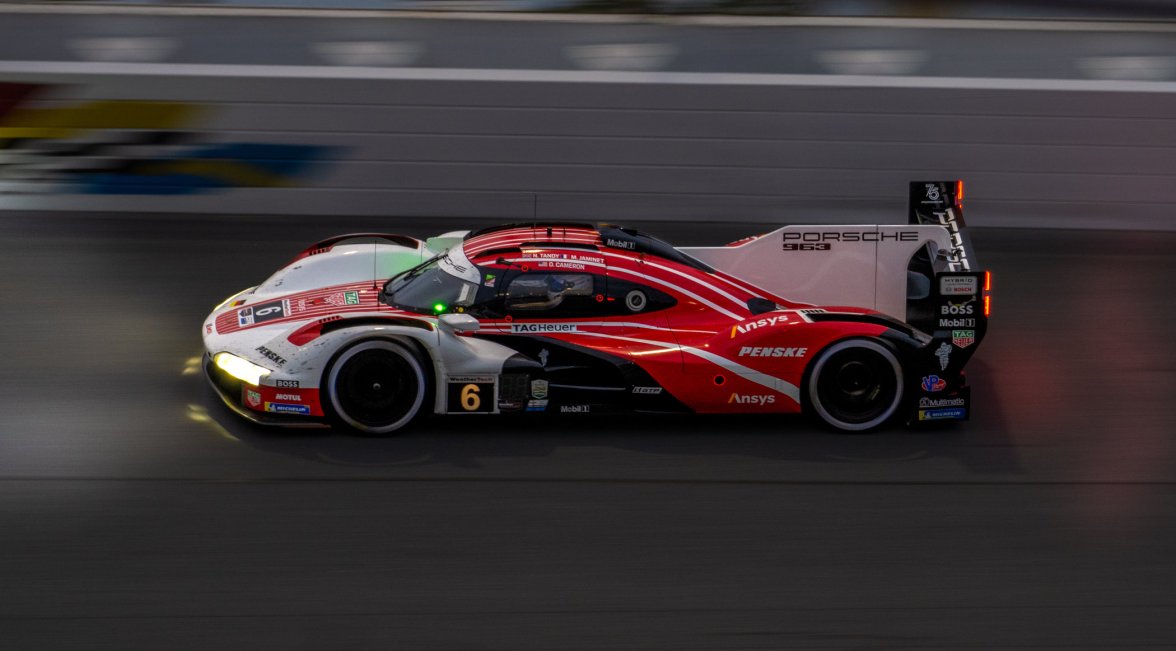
(755, 351)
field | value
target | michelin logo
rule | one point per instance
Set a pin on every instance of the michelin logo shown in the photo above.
(280, 408)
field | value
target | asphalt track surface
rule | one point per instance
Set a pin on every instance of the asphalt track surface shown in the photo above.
(135, 512)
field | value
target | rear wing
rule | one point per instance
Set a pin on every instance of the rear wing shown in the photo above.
(941, 203)
(878, 267)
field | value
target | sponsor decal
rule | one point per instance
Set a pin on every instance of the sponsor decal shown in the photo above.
(620, 244)
(252, 398)
(538, 389)
(293, 397)
(281, 408)
(207, 328)
(963, 338)
(745, 328)
(932, 192)
(270, 311)
(942, 414)
(933, 383)
(245, 317)
(477, 379)
(339, 299)
(537, 328)
(536, 405)
(927, 403)
(574, 409)
(944, 355)
(745, 399)
(823, 241)
(957, 323)
(751, 351)
(958, 259)
(271, 355)
(955, 285)
(490, 279)
(286, 384)
(963, 308)
(649, 391)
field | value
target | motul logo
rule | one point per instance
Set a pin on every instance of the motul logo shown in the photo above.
(750, 351)
(750, 400)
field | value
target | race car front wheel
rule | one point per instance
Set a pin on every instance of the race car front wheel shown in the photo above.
(856, 385)
(376, 387)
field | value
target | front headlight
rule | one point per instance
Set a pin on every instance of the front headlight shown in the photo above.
(242, 369)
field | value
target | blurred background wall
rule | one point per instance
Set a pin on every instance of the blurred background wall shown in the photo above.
(604, 117)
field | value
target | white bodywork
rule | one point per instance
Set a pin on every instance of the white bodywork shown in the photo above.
(453, 355)
(863, 266)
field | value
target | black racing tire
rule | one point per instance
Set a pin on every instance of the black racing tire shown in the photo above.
(376, 387)
(855, 385)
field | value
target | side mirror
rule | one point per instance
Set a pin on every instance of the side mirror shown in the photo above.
(458, 323)
(759, 305)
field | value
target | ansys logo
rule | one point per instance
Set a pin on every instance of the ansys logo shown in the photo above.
(130, 147)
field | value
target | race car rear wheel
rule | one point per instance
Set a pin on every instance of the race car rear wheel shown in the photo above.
(856, 384)
(376, 387)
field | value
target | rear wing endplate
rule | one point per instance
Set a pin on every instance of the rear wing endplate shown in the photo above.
(941, 203)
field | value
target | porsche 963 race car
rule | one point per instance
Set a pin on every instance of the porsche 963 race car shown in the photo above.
(857, 325)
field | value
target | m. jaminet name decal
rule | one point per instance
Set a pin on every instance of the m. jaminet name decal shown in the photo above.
(825, 241)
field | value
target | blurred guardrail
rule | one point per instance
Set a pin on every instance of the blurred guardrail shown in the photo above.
(606, 119)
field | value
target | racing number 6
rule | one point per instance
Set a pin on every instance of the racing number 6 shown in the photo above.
(470, 400)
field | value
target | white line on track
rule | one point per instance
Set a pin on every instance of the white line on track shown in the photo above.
(607, 19)
(579, 76)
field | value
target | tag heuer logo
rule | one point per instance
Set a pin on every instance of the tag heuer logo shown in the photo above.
(963, 338)
(351, 298)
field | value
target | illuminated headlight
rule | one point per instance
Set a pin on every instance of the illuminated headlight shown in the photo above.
(242, 369)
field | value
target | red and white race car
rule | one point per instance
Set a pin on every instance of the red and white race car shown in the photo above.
(858, 325)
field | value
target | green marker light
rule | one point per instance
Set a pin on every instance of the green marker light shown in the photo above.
(438, 307)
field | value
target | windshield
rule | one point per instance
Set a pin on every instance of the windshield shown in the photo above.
(429, 289)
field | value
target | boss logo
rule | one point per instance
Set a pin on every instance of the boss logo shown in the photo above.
(286, 384)
(957, 309)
